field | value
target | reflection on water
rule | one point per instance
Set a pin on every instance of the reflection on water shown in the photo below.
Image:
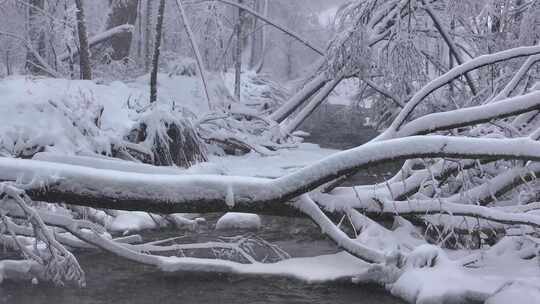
(115, 280)
(112, 280)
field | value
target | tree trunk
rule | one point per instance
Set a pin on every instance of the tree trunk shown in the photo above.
(8, 63)
(84, 53)
(238, 52)
(258, 41)
(94, 41)
(157, 46)
(252, 39)
(122, 12)
(196, 51)
(36, 36)
(148, 36)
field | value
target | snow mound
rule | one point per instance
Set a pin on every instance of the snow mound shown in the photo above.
(429, 276)
(233, 220)
(404, 236)
(74, 117)
(516, 292)
(16, 270)
(132, 221)
(426, 256)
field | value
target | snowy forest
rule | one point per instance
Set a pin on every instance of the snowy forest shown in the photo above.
(270, 151)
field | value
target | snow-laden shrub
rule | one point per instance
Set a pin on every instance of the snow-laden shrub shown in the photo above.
(68, 124)
(269, 93)
(180, 66)
(170, 135)
(113, 70)
(258, 92)
(46, 258)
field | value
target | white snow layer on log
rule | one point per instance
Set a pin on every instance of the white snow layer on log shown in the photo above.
(312, 269)
(108, 163)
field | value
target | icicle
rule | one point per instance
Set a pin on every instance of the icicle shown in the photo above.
(229, 199)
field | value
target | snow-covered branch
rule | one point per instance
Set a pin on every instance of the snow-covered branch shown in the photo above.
(276, 25)
(442, 206)
(470, 116)
(451, 75)
(195, 48)
(451, 45)
(299, 98)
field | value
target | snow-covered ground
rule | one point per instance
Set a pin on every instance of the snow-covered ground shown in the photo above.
(52, 113)
(41, 111)
(272, 166)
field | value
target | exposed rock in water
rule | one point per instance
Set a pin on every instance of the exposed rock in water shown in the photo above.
(233, 220)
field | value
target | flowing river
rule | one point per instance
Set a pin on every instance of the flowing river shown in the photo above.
(114, 280)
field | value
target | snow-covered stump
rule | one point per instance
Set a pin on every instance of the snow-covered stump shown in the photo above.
(171, 137)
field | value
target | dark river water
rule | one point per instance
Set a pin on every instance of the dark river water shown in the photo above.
(114, 280)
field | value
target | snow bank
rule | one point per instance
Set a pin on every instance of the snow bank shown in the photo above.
(433, 275)
(233, 220)
(502, 274)
(404, 236)
(58, 114)
(23, 270)
(517, 292)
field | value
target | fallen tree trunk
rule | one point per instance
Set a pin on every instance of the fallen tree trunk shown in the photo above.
(168, 194)
(289, 127)
(98, 39)
(299, 98)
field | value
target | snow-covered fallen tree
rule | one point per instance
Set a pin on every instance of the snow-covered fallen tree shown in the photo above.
(468, 180)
